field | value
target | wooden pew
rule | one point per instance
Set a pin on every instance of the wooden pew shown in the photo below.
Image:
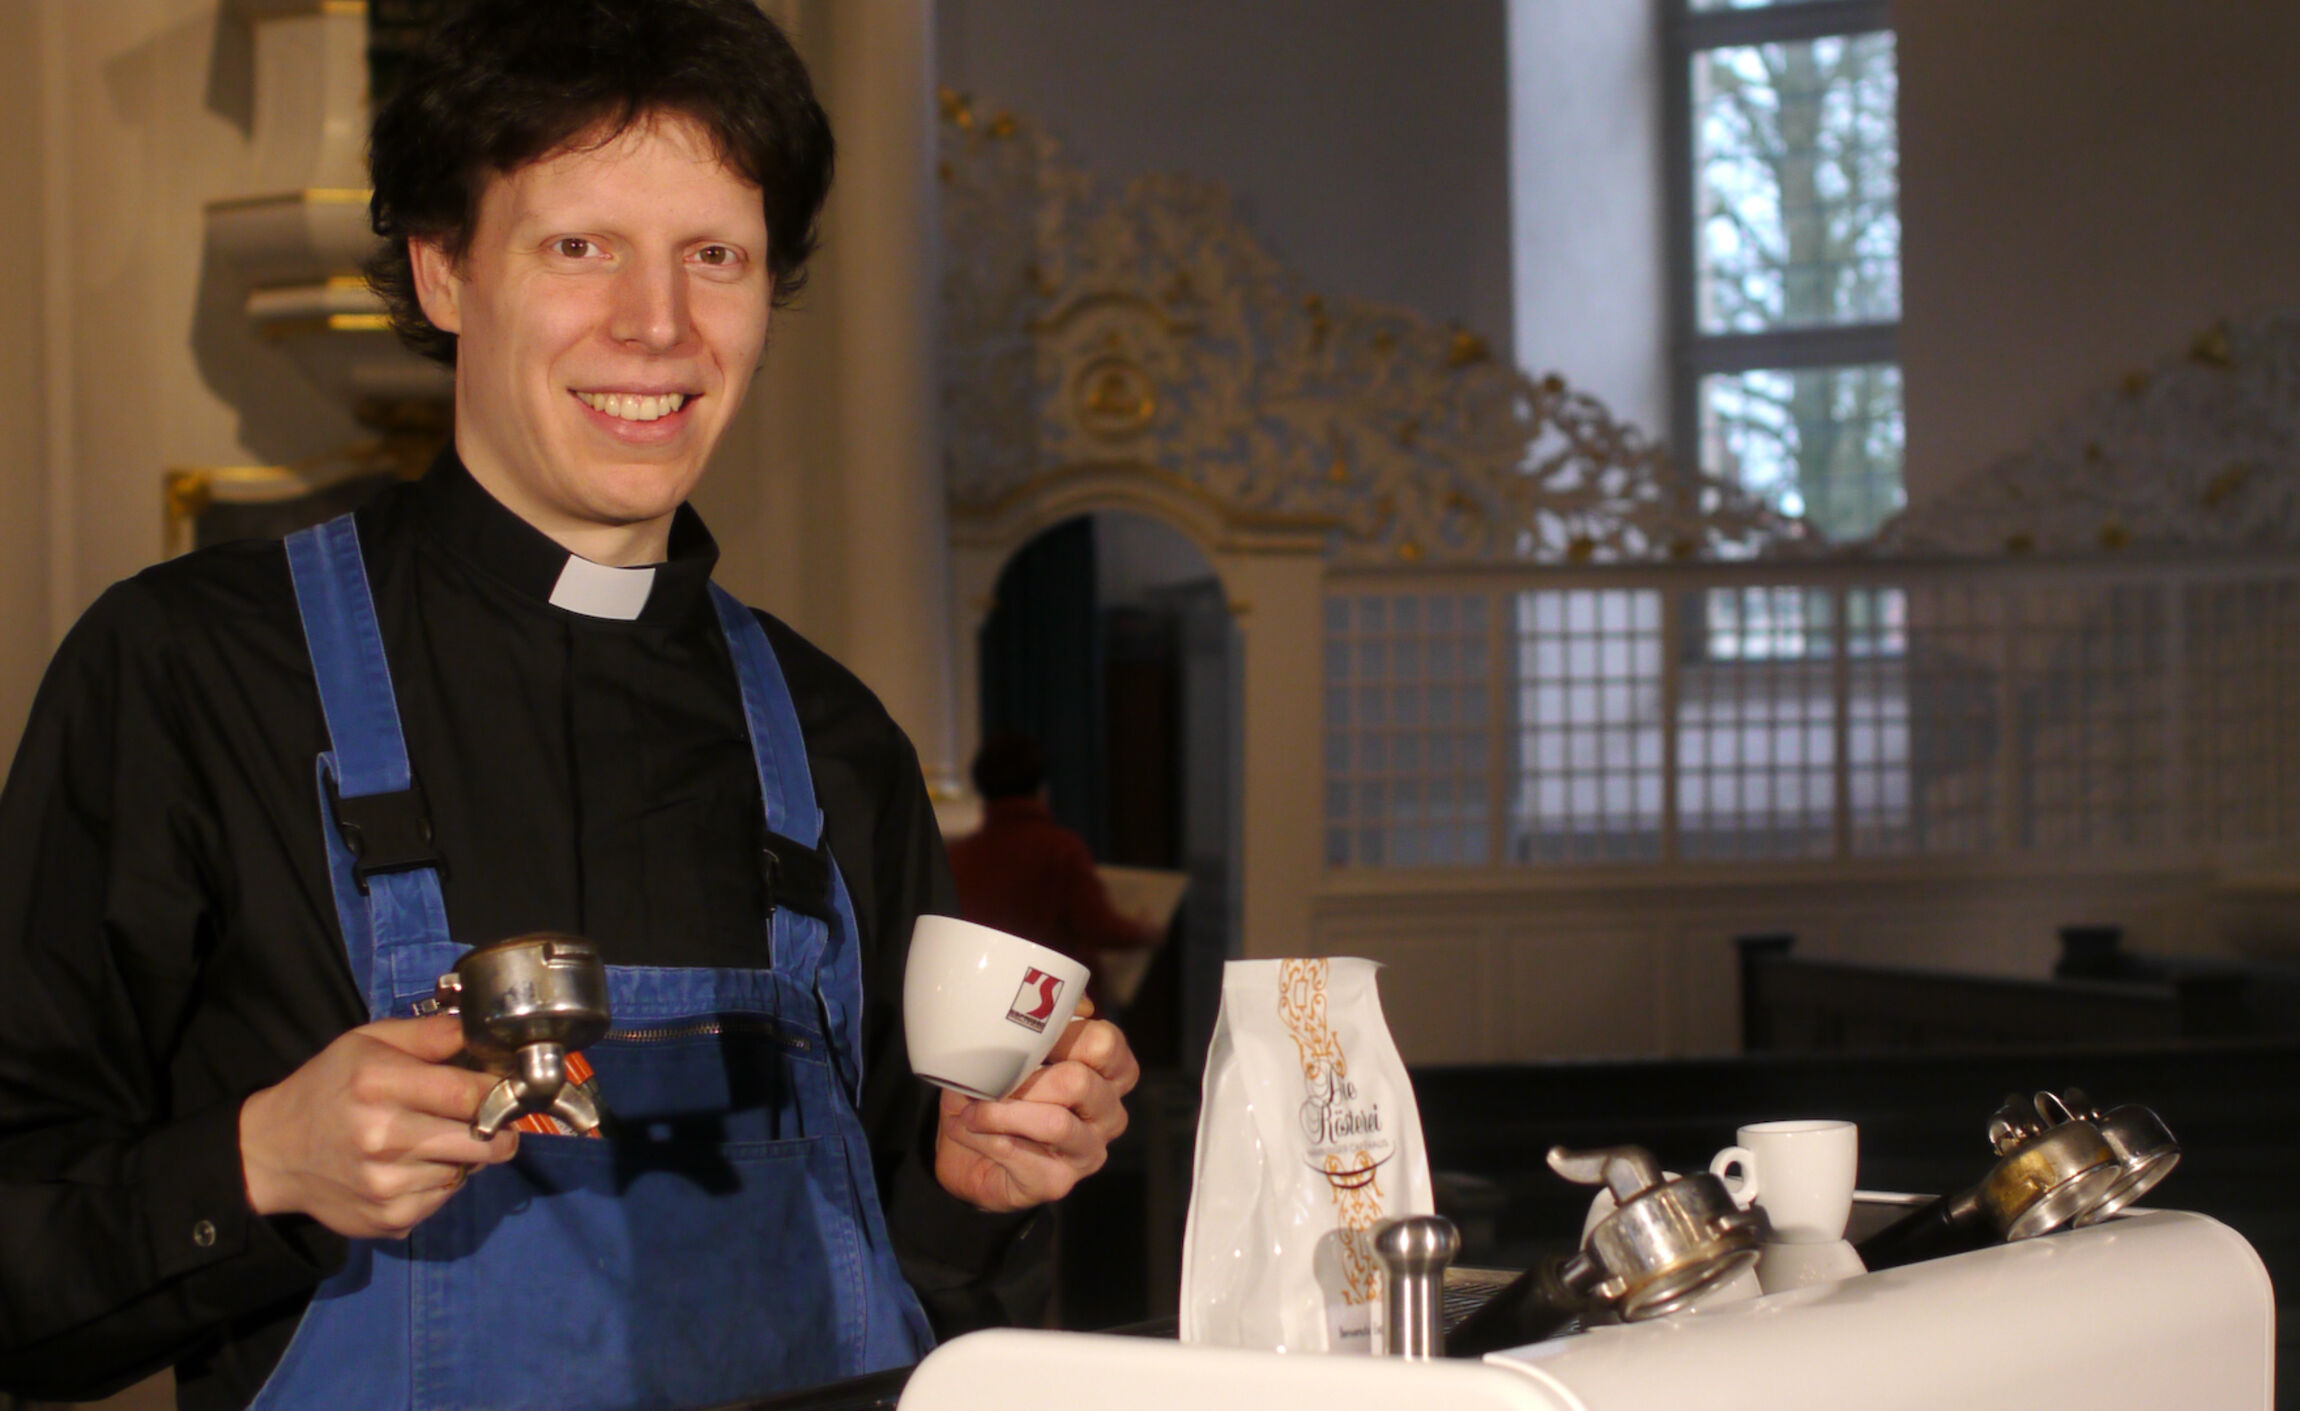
(1791, 1004)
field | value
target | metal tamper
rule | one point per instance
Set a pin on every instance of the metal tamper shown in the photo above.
(526, 1003)
(1415, 1250)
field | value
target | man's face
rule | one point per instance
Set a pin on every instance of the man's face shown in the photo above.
(611, 309)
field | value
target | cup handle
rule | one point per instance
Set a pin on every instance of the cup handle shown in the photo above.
(1744, 1190)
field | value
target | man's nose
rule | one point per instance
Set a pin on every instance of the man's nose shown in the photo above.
(650, 307)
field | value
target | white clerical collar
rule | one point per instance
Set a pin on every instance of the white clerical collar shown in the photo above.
(596, 590)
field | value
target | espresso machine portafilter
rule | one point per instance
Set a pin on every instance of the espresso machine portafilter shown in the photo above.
(2060, 1163)
(1666, 1242)
(2144, 1147)
(526, 1003)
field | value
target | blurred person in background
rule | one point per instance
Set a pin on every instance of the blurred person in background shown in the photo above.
(1024, 873)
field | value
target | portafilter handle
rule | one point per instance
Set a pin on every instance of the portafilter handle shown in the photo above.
(1539, 1303)
(1415, 1251)
(1944, 1225)
(2052, 1170)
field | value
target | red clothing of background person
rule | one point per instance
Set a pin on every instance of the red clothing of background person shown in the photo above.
(1026, 874)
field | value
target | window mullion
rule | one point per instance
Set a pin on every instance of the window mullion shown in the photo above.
(1831, 346)
(1778, 24)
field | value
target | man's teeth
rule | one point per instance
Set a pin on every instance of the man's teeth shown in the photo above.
(626, 407)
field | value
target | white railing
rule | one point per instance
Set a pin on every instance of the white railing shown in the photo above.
(1761, 712)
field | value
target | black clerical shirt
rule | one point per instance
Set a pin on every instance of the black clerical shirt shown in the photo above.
(169, 942)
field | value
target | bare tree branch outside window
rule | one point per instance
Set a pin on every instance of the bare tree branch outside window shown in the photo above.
(1798, 226)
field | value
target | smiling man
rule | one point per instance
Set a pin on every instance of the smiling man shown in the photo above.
(268, 793)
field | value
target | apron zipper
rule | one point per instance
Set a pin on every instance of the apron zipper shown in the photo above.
(707, 1028)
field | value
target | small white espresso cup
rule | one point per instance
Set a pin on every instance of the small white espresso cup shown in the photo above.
(981, 1008)
(1800, 1173)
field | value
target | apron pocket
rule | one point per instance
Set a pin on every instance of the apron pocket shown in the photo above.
(730, 1080)
(661, 1275)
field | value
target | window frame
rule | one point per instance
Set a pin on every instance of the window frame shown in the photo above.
(1693, 354)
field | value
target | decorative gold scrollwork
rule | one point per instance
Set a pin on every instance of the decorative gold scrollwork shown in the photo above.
(1077, 314)
(1115, 398)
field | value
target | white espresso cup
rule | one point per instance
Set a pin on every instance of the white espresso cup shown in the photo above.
(1800, 1173)
(981, 1008)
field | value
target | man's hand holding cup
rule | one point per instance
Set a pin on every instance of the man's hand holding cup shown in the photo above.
(1033, 1082)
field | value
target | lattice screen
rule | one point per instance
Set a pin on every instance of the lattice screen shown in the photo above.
(1756, 725)
(2241, 747)
(1940, 714)
(1409, 768)
(1589, 780)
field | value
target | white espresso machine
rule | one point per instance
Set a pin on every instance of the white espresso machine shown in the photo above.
(2145, 1311)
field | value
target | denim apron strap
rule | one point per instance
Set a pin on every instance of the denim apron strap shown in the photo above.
(392, 920)
(800, 946)
(387, 894)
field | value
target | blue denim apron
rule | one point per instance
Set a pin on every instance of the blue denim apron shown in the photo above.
(725, 1241)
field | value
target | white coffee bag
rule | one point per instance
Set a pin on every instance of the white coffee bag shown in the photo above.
(1307, 1138)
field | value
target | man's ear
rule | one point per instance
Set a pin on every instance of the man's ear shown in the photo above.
(437, 286)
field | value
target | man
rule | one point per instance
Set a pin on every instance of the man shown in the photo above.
(266, 795)
(1024, 873)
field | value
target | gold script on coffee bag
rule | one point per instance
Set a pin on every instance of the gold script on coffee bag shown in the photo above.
(1347, 1143)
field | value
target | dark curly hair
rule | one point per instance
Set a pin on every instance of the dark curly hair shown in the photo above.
(502, 83)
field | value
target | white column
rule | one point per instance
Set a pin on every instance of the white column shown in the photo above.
(882, 224)
(1587, 224)
(1279, 600)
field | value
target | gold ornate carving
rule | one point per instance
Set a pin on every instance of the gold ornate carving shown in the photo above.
(1154, 478)
(412, 431)
(188, 494)
(1115, 398)
(2199, 452)
(1078, 314)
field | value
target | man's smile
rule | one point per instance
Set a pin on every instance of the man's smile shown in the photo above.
(635, 406)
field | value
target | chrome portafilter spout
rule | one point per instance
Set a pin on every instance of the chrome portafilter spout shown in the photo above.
(526, 1003)
(2052, 1167)
(1664, 1244)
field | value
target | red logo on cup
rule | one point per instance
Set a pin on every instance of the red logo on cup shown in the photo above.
(1034, 1002)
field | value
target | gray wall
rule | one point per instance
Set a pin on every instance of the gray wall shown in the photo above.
(1587, 183)
(1367, 141)
(2085, 185)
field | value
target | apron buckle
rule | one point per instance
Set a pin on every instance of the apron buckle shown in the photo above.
(797, 877)
(385, 832)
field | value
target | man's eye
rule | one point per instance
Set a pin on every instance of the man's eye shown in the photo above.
(715, 255)
(573, 247)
